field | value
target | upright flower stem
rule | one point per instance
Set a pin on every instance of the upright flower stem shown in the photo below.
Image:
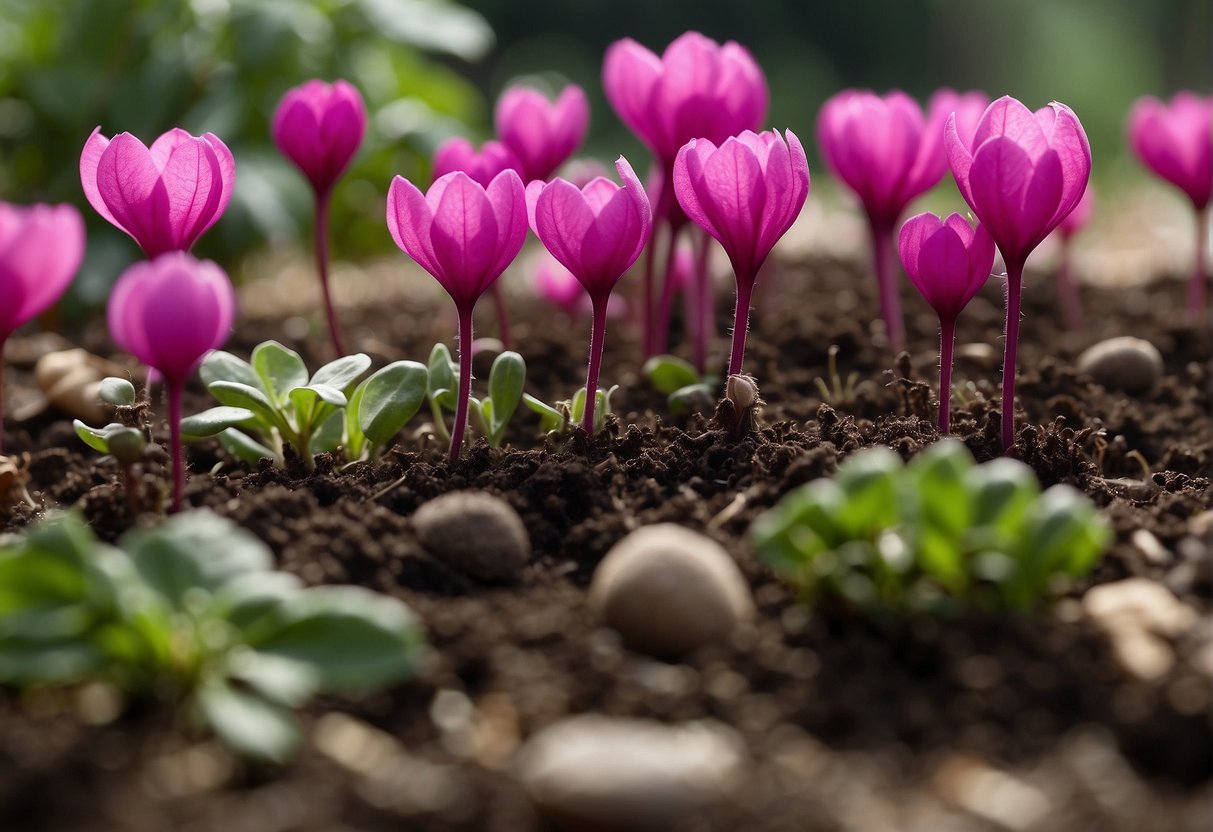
(741, 321)
(886, 279)
(175, 391)
(1197, 285)
(1010, 348)
(700, 290)
(321, 234)
(465, 382)
(597, 337)
(661, 331)
(947, 343)
(503, 315)
(1067, 288)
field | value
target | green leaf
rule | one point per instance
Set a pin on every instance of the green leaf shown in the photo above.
(1001, 490)
(353, 638)
(388, 400)
(577, 405)
(255, 599)
(1064, 534)
(223, 366)
(117, 391)
(280, 369)
(802, 525)
(443, 377)
(95, 438)
(235, 394)
(869, 479)
(244, 447)
(195, 550)
(938, 508)
(328, 436)
(550, 418)
(284, 681)
(215, 420)
(693, 398)
(27, 662)
(669, 373)
(506, 380)
(313, 404)
(343, 372)
(247, 723)
(127, 445)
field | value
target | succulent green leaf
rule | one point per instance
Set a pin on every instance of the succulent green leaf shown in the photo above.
(248, 723)
(869, 479)
(388, 400)
(95, 438)
(279, 368)
(506, 381)
(235, 394)
(117, 391)
(215, 420)
(223, 366)
(244, 447)
(669, 373)
(343, 372)
(443, 378)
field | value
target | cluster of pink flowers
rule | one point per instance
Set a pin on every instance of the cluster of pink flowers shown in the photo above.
(698, 108)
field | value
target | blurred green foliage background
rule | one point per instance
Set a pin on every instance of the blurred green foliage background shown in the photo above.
(431, 68)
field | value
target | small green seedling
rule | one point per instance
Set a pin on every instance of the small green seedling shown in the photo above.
(489, 415)
(940, 532)
(686, 391)
(125, 443)
(557, 419)
(271, 401)
(492, 414)
(836, 392)
(192, 612)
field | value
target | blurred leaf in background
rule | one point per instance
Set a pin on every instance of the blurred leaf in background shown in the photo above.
(145, 66)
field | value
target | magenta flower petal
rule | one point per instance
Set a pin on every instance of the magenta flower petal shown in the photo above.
(193, 182)
(688, 173)
(41, 247)
(510, 214)
(408, 220)
(630, 76)
(947, 261)
(90, 157)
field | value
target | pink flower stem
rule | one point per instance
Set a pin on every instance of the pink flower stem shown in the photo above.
(503, 316)
(465, 382)
(597, 338)
(1197, 285)
(1010, 348)
(741, 321)
(705, 301)
(661, 332)
(2, 344)
(886, 279)
(947, 343)
(176, 390)
(321, 235)
(1067, 289)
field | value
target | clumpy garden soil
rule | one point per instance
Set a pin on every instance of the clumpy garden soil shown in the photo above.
(987, 722)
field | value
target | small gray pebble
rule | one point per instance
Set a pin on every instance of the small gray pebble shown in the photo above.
(476, 533)
(1125, 363)
(667, 590)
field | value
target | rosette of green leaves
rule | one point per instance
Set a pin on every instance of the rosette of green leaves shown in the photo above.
(194, 612)
(272, 400)
(559, 418)
(939, 532)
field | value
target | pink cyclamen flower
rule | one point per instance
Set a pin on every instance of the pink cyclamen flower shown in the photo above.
(170, 312)
(888, 152)
(1022, 175)
(483, 165)
(1176, 142)
(542, 133)
(465, 235)
(165, 196)
(697, 89)
(558, 286)
(319, 127)
(948, 262)
(746, 194)
(596, 232)
(1067, 287)
(41, 247)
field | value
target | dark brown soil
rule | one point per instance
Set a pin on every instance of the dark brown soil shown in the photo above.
(822, 700)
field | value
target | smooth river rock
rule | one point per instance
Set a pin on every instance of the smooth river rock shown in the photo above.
(475, 533)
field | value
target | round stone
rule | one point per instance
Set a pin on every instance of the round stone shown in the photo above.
(476, 533)
(595, 773)
(1124, 363)
(667, 590)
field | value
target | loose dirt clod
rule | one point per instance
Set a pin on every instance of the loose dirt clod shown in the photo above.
(1124, 363)
(668, 590)
(596, 773)
(476, 533)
